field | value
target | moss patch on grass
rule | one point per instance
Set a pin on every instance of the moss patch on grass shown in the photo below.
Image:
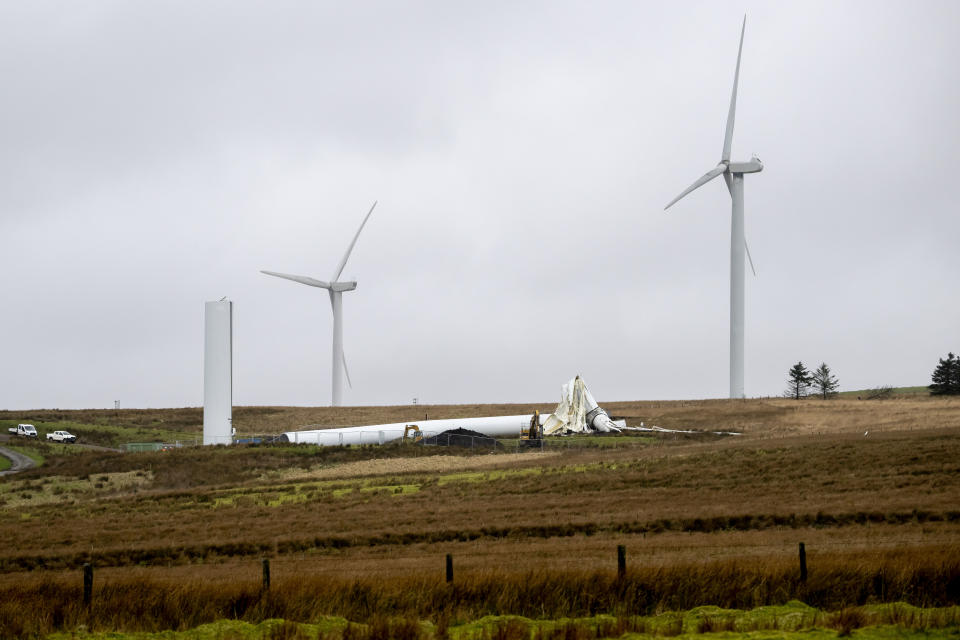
(792, 621)
(223, 629)
(60, 489)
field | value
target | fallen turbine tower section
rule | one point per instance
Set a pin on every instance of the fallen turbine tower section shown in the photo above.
(577, 412)
(383, 433)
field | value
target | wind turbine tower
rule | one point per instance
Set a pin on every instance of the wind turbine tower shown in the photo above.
(335, 288)
(733, 173)
(218, 372)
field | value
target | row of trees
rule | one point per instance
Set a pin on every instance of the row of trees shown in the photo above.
(945, 379)
(821, 379)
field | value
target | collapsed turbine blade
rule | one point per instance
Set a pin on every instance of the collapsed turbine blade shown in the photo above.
(704, 179)
(747, 247)
(728, 136)
(343, 262)
(301, 279)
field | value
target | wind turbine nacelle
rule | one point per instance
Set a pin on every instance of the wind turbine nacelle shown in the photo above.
(343, 286)
(754, 166)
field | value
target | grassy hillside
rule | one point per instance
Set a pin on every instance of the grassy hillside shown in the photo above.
(761, 416)
(99, 433)
(881, 392)
(177, 537)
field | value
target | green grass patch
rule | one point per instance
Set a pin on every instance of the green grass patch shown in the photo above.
(5, 463)
(909, 390)
(280, 495)
(896, 391)
(226, 629)
(109, 435)
(393, 489)
(487, 476)
(467, 476)
(793, 621)
(114, 436)
(274, 492)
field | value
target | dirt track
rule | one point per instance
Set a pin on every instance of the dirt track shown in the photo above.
(20, 461)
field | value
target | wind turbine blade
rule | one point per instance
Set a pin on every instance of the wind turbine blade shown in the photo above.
(301, 279)
(728, 136)
(343, 262)
(747, 247)
(704, 179)
(347, 371)
(729, 181)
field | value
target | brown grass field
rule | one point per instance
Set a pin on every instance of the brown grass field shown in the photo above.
(760, 417)
(871, 487)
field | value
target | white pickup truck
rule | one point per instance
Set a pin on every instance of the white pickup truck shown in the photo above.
(62, 436)
(25, 430)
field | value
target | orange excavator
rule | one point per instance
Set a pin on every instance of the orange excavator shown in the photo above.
(412, 433)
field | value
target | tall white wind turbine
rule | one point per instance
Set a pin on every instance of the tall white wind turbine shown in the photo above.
(733, 173)
(335, 288)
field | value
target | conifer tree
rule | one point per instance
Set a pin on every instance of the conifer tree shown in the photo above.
(946, 377)
(824, 381)
(798, 381)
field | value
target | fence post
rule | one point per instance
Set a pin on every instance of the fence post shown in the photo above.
(266, 574)
(449, 567)
(87, 583)
(621, 561)
(803, 563)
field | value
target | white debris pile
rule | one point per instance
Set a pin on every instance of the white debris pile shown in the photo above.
(656, 429)
(578, 412)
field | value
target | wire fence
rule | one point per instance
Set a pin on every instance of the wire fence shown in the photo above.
(473, 442)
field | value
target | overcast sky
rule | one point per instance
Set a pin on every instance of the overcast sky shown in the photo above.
(156, 155)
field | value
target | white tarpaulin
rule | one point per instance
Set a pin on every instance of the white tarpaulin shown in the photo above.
(577, 412)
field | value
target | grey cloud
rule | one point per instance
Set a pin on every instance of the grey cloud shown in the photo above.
(158, 155)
